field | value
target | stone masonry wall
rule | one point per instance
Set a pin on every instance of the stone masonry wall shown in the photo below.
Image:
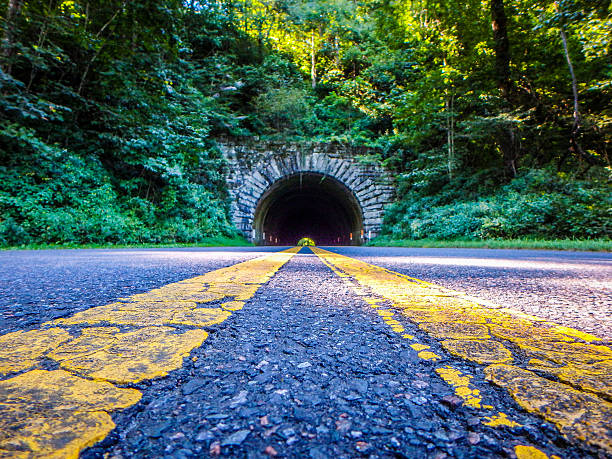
(256, 165)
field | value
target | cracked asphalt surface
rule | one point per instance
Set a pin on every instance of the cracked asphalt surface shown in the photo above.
(569, 288)
(41, 285)
(307, 368)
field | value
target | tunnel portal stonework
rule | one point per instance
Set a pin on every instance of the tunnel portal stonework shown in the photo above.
(256, 168)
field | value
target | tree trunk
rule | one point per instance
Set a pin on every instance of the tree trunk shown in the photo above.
(507, 138)
(450, 134)
(42, 36)
(99, 50)
(509, 145)
(576, 126)
(41, 42)
(13, 10)
(574, 145)
(499, 24)
(245, 9)
(336, 51)
(313, 60)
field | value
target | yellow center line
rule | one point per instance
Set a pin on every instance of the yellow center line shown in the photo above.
(58, 413)
(529, 452)
(472, 330)
(461, 384)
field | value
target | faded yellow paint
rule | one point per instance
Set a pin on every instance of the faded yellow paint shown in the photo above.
(57, 414)
(594, 377)
(579, 415)
(56, 434)
(199, 317)
(419, 346)
(21, 350)
(475, 330)
(372, 301)
(455, 330)
(499, 419)
(177, 304)
(332, 267)
(560, 352)
(576, 333)
(428, 355)
(148, 313)
(518, 331)
(462, 386)
(391, 321)
(522, 315)
(178, 292)
(105, 354)
(60, 390)
(529, 452)
(441, 315)
(384, 312)
(53, 414)
(233, 305)
(479, 351)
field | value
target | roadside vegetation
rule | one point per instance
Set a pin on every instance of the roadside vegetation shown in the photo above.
(219, 241)
(494, 116)
(585, 245)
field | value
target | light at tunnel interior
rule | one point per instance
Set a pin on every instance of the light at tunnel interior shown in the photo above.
(310, 205)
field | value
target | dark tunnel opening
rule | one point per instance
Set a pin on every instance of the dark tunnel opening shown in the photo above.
(308, 205)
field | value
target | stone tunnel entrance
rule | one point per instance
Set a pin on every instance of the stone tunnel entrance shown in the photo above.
(280, 192)
(310, 205)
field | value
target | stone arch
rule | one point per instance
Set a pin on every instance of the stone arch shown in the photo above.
(256, 168)
(308, 204)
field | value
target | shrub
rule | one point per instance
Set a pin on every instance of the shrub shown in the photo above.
(539, 204)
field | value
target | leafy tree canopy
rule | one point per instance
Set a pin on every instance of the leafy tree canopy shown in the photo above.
(109, 110)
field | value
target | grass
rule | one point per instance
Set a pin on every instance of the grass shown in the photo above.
(594, 245)
(217, 241)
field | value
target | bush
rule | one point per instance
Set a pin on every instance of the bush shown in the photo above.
(54, 196)
(539, 204)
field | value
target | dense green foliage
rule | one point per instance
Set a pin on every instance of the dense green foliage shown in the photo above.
(583, 245)
(495, 115)
(540, 203)
(104, 130)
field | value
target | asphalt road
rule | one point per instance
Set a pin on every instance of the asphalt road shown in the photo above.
(569, 288)
(309, 367)
(40, 285)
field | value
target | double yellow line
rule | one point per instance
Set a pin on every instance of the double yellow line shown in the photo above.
(58, 413)
(499, 338)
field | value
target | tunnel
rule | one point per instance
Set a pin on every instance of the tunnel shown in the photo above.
(310, 205)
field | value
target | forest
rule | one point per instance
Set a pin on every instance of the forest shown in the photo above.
(493, 115)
